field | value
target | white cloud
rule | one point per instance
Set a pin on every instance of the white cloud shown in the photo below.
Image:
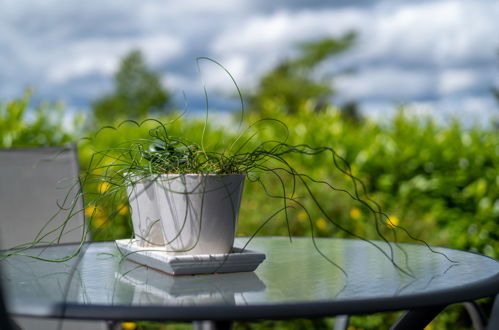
(103, 56)
(459, 80)
(403, 85)
(276, 32)
(178, 82)
(395, 84)
(404, 51)
(424, 50)
(263, 40)
(82, 65)
(439, 32)
(159, 49)
(150, 9)
(470, 110)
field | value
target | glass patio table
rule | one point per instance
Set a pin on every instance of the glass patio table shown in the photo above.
(298, 279)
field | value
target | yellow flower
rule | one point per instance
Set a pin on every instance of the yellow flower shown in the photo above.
(99, 222)
(321, 224)
(240, 234)
(302, 216)
(103, 187)
(355, 213)
(392, 221)
(123, 209)
(128, 325)
(93, 210)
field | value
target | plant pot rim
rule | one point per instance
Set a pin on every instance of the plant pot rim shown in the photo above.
(155, 176)
(198, 174)
(137, 179)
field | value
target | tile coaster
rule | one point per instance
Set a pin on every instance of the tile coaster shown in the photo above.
(157, 258)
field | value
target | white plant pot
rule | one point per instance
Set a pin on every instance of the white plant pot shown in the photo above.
(199, 212)
(146, 221)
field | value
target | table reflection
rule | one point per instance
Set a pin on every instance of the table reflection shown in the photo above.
(148, 286)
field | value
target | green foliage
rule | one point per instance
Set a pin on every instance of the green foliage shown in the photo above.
(23, 126)
(138, 92)
(443, 178)
(441, 183)
(292, 83)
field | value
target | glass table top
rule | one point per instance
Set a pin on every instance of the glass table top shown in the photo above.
(334, 274)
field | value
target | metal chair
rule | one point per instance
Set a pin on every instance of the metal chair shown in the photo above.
(5, 321)
(476, 314)
(494, 315)
(34, 186)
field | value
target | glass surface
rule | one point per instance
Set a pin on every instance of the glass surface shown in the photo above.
(292, 273)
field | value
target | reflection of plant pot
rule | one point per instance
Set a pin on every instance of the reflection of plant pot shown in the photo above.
(199, 212)
(153, 287)
(145, 217)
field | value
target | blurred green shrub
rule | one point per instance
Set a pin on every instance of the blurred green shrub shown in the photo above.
(441, 183)
(22, 125)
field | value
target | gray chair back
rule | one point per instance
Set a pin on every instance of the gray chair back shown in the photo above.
(38, 187)
(35, 185)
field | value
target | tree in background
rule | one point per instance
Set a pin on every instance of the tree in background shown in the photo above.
(138, 92)
(292, 82)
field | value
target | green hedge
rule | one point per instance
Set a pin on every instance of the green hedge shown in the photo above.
(25, 125)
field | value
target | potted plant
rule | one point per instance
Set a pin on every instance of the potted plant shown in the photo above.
(183, 198)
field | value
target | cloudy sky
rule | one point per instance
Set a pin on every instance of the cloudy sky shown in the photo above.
(438, 57)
